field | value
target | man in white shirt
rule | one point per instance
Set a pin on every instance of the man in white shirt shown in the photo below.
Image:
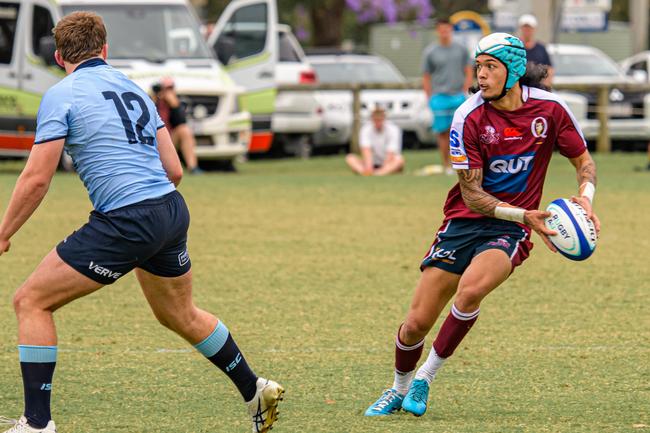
(381, 147)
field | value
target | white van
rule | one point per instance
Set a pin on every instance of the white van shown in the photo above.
(257, 53)
(148, 40)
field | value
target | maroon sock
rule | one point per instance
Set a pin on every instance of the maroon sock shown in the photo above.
(406, 357)
(452, 332)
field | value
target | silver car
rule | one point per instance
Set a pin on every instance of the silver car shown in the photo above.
(406, 108)
(629, 111)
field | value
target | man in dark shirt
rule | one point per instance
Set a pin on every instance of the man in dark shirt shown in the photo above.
(535, 50)
(171, 112)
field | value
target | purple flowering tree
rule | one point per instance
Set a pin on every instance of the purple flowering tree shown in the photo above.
(321, 21)
(391, 10)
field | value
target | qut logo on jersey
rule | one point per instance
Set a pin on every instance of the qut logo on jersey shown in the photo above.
(508, 173)
(511, 166)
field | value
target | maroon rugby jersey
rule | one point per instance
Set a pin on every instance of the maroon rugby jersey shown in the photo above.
(513, 148)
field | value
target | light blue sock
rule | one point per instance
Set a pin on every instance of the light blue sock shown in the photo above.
(214, 342)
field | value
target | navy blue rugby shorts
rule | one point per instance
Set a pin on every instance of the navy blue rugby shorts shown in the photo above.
(151, 235)
(460, 240)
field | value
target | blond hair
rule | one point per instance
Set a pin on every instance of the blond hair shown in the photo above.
(80, 36)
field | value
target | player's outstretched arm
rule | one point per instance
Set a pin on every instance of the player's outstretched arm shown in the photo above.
(586, 174)
(169, 157)
(479, 201)
(31, 187)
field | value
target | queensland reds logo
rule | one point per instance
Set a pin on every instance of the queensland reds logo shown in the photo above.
(539, 127)
(490, 136)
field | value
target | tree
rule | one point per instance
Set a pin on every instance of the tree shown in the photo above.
(325, 19)
(391, 10)
(327, 23)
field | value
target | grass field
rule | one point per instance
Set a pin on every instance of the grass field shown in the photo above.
(312, 270)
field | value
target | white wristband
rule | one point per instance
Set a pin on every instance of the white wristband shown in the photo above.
(588, 190)
(508, 213)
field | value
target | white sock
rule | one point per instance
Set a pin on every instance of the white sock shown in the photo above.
(402, 381)
(430, 367)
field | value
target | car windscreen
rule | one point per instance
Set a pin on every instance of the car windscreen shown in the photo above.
(356, 72)
(573, 65)
(152, 32)
(8, 20)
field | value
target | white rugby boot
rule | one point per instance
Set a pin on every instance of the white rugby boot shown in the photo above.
(21, 426)
(263, 408)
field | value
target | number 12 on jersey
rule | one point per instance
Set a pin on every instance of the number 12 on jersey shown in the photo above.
(121, 104)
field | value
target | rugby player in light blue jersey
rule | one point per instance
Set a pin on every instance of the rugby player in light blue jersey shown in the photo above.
(127, 161)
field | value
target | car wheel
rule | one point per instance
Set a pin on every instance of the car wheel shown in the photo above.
(300, 146)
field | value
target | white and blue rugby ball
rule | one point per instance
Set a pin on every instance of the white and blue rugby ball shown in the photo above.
(576, 234)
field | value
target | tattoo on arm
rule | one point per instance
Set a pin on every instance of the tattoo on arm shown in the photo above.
(587, 172)
(476, 199)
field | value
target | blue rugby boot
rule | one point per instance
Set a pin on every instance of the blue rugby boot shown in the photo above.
(389, 403)
(416, 398)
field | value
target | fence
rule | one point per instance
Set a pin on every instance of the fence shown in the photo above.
(603, 141)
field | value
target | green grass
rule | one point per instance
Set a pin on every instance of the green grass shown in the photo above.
(312, 269)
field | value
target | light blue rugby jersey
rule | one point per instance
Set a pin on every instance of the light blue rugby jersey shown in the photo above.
(110, 126)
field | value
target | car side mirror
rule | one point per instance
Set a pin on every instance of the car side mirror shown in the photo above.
(46, 49)
(224, 48)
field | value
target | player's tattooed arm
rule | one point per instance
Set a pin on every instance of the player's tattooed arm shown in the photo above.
(585, 168)
(586, 174)
(476, 199)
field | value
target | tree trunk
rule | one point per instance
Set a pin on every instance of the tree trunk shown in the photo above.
(327, 23)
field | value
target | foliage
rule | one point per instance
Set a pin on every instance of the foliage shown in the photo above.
(391, 10)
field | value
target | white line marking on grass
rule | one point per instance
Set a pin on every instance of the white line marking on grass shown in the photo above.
(310, 350)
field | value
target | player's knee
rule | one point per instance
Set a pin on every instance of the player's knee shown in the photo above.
(177, 320)
(468, 299)
(23, 302)
(416, 327)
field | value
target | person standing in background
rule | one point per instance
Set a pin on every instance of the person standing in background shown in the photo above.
(535, 50)
(447, 76)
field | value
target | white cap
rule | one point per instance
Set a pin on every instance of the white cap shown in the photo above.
(528, 20)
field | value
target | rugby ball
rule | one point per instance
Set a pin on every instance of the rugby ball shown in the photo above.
(576, 234)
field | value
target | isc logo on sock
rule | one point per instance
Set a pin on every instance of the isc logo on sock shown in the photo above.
(46, 387)
(234, 364)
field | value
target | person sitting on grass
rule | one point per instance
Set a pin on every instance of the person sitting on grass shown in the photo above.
(172, 113)
(381, 147)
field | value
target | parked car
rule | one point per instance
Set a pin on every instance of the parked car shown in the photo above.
(260, 54)
(406, 108)
(638, 67)
(292, 130)
(629, 111)
(147, 41)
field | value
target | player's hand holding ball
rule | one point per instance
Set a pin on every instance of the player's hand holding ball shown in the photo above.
(586, 205)
(535, 219)
(576, 225)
